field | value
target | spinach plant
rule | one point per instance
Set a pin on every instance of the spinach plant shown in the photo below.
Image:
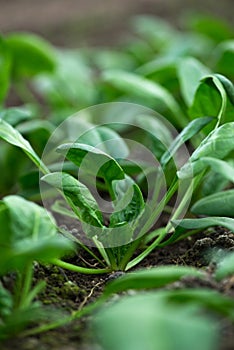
(28, 235)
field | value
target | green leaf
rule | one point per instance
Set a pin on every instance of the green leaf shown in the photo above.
(148, 321)
(78, 197)
(106, 140)
(154, 278)
(186, 134)
(15, 115)
(199, 224)
(93, 161)
(225, 267)
(228, 86)
(213, 27)
(12, 136)
(218, 144)
(217, 204)
(190, 72)
(224, 56)
(129, 202)
(30, 54)
(210, 99)
(136, 85)
(5, 66)
(28, 233)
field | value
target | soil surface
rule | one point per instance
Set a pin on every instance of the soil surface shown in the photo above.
(67, 291)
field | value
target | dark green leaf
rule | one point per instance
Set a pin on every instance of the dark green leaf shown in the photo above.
(153, 278)
(129, 202)
(187, 133)
(190, 72)
(78, 197)
(5, 66)
(28, 233)
(93, 161)
(30, 54)
(217, 204)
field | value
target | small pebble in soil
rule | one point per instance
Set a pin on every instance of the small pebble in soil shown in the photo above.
(115, 275)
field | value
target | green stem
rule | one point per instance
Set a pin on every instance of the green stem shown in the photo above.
(64, 321)
(79, 269)
(129, 254)
(26, 286)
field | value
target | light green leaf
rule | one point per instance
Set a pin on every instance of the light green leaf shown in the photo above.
(15, 115)
(218, 144)
(78, 197)
(93, 161)
(136, 85)
(190, 72)
(217, 204)
(199, 224)
(12, 136)
(106, 140)
(225, 267)
(148, 321)
(30, 54)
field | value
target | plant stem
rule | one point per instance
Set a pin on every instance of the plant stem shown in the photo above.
(75, 315)
(79, 269)
(26, 286)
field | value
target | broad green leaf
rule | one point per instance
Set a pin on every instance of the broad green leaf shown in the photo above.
(224, 56)
(93, 161)
(225, 267)
(30, 54)
(154, 278)
(218, 144)
(28, 234)
(190, 72)
(186, 134)
(12, 136)
(213, 27)
(210, 99)
(129, 202)
(228, 86)
(15, 115)
(136, 85)
(5, 66)
(71, 87)
(78, 197)
(148, 321)
(210, 299)
(199, 224)
(217, 204)
(106, 140)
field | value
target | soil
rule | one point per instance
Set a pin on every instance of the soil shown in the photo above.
(68, 291)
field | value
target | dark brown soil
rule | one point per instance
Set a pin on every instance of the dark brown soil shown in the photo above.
(70, 291)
